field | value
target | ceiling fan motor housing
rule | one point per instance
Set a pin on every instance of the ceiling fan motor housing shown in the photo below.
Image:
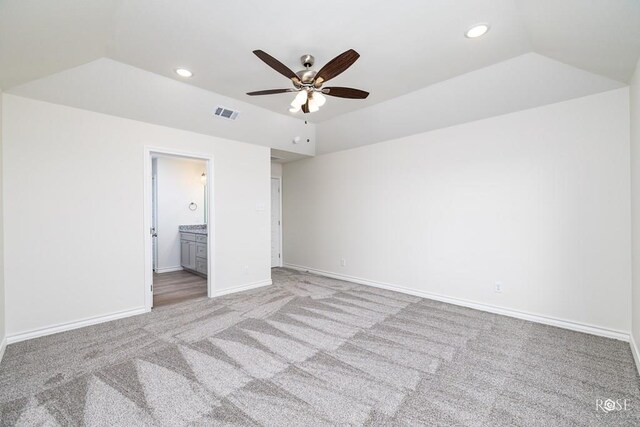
(307, 60)
(307, 75)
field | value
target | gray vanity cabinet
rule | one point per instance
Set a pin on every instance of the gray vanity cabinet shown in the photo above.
(188, 254)
(193, 252)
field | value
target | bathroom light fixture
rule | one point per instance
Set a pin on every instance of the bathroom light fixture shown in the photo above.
(476, 30)
(183, 72)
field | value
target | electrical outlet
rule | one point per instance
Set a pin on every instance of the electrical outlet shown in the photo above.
(498, 287)
(343, 263)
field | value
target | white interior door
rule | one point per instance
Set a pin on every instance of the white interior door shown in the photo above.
(276, 225)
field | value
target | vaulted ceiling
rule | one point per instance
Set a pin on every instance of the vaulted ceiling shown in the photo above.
(405, 45)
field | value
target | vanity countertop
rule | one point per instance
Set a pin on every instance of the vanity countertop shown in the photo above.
(195, 229)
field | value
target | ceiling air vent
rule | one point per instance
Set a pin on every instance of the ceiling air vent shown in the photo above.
(226, 113)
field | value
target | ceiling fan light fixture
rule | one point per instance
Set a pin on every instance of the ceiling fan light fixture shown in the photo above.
(313, 107)
(319, 99)
(477, 30)
(300, 99)
(294, 108)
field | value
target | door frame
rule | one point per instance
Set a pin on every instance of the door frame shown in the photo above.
(279, 178)
(149, 151)
(154, 218)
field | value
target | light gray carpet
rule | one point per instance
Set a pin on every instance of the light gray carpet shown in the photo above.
(315, 351)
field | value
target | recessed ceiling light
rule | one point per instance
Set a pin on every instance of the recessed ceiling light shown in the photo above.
(476, 30)
(183, 72)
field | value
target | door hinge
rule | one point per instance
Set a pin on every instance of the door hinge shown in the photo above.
(278, 255)
(151, 288)
(278, 222)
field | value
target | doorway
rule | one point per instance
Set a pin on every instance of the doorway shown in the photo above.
(178, 235)
(276, 222)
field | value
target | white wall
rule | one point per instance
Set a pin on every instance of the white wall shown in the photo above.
(179, 184)
(538, 200)
(74, 232)
(634, 91)
(276, 169)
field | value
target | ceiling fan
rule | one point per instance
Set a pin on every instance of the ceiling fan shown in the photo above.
(308, 83)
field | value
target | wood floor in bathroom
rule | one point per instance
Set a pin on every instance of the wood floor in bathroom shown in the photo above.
(177, 286)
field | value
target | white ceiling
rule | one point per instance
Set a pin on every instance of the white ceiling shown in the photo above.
(600, 36)
(405, 45)
(111, 87)
(527, 81)
(38, 38)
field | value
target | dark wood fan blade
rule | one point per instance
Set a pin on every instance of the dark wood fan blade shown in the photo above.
(276, 65)
(305, 107)
(270, 92)
(345, 92)
(336, 66)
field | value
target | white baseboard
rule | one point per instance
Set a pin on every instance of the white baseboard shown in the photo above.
(246, 287)
(532, 317)
(635, 352)
(68, 326)
(168, 269)
(3, 346)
